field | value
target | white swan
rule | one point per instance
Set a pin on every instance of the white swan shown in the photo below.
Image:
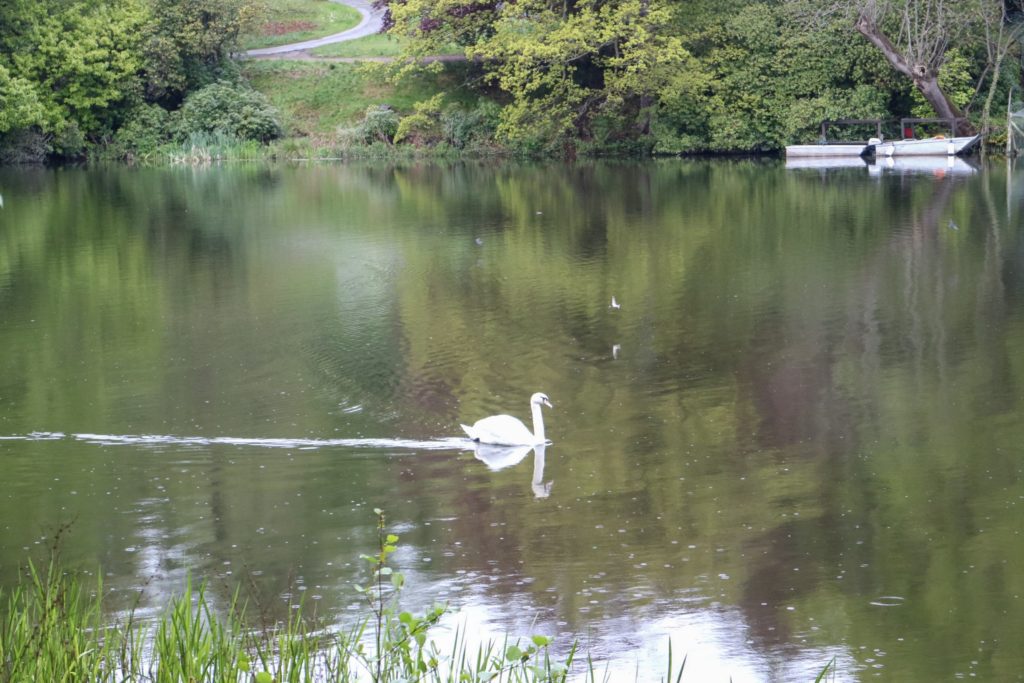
(505, 430)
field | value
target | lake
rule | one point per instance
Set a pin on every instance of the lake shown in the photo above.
(798, 436)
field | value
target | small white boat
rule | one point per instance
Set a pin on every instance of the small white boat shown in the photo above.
(831, 149)
(828, 150)
(934, 146)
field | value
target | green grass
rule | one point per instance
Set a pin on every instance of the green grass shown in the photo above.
(52, 628)
(377, 45)
(315, 99)
(292, 21)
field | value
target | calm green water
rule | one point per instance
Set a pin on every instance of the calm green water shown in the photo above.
(800, 436)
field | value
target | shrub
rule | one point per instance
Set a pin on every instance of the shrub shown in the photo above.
(69, 142)
(146, 128)
(423, 126)
(461, 128)
(228, 109)
(24, 146)
(379, 124)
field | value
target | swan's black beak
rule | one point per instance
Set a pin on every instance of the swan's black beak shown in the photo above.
(548, 403)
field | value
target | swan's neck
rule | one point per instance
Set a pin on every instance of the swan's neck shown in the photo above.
(538, 423)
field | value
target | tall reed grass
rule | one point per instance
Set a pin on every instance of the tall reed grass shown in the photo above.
(53, 627)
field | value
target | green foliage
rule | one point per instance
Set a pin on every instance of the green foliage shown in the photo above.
(53, 629)
(318, 100)
(562, 65)
(189, 43)
(70, 67)
(376, 45)
(956, 81)
(24, 146)
(204, 147)
(462, 128)
(19, 103)
(760, 80)
(423, 126)
(146, 127)
(192, 644)
(400, 639)
(378, 125)
(229, 109)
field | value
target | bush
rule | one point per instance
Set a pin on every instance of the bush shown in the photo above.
(423, 126)
(228, 109)
(379, 124)
(146, 128)
(461, 128)
(24, 146)
(69, 142)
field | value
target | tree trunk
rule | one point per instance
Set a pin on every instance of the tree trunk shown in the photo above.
(986, 113)
(924, 76)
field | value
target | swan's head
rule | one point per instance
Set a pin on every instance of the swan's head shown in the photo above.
(541, 400)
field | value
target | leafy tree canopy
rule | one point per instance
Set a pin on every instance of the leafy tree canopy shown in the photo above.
(566, 65)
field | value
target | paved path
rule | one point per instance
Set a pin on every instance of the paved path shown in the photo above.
(371, 23)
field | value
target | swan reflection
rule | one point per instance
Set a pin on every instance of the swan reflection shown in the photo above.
(499, 457)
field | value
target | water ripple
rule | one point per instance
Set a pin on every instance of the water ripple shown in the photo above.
(446, 444)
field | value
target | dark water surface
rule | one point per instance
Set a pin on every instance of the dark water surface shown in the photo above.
(800, 437)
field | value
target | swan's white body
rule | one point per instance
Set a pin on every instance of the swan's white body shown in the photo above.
(505, 430)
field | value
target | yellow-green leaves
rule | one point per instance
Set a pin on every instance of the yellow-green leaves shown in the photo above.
(83, 61)
(424, 124)
(19, 103)
(564, 65)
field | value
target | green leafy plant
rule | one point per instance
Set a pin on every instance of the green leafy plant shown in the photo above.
(379, 124)
(400, 639)
(423, 126)
(228, 109)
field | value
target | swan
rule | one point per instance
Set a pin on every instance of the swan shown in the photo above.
(505, 430)
(615, 304)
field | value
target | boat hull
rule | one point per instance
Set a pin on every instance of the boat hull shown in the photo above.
(927, 147)
(827, 151)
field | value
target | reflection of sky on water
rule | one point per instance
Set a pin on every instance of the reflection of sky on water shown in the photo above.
(714, 641)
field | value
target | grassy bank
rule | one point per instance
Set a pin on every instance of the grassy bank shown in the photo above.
(292, 21)
(376, 45)
(316, 98)
(55, 628)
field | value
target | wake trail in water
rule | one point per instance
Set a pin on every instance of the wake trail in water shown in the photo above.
(446, 444)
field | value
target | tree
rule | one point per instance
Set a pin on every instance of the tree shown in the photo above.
(573, 69)
(761, 80)
(913, 36)
(926, 30)
(19, 103)
(1002, 28)
(69, 65)
(189, 44)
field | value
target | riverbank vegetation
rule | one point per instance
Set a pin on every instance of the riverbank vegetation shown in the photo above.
(53, 627)
(116, 78)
